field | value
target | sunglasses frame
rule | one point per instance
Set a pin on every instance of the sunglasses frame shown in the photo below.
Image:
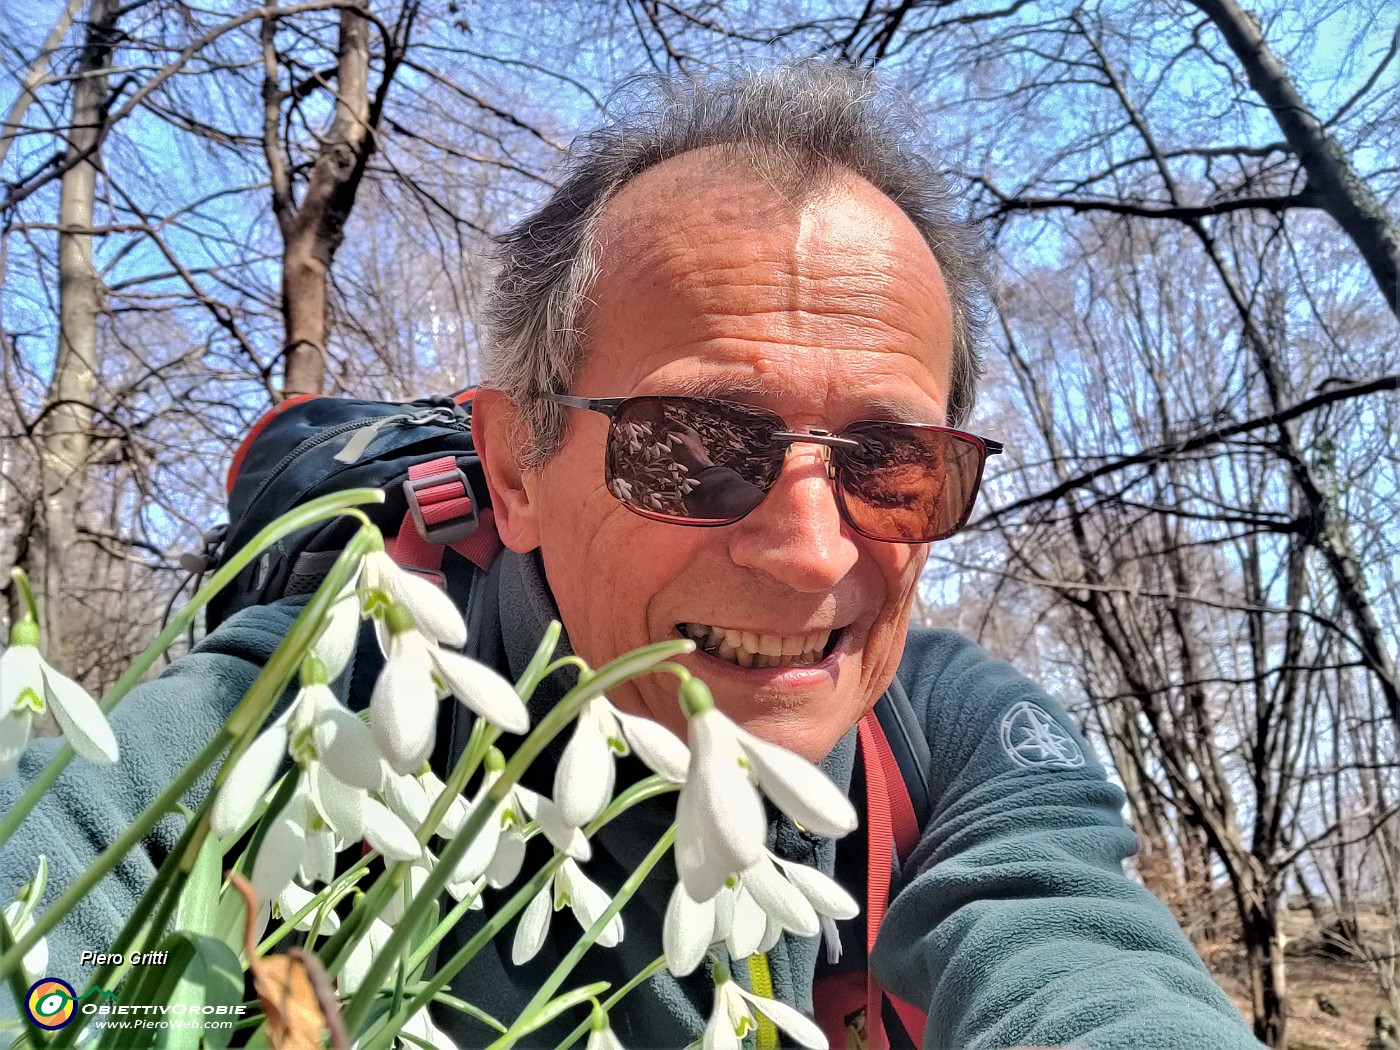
(610, 406)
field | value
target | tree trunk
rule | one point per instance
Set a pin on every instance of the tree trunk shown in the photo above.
(313, 230)
(64, 434)
(1263, 946)
(1341, 192)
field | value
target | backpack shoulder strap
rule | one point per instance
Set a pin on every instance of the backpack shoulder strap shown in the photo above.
(903, 751)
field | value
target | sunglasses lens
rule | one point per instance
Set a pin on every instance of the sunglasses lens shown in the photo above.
(908, 484)
(692, 459)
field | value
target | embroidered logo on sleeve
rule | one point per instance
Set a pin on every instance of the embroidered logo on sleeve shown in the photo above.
(1034, 740)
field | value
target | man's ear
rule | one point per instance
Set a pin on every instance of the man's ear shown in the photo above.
(499, 433)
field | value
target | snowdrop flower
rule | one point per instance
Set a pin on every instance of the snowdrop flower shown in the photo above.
(574, 890)
(751, 912)
(411, 797)
(19, 918)
(337, 767)
(600, 1033)
(294, 898)
(584, 779)
(36, 700)
(381, 579)
(499, 850)
(417, 674)
(421, 1027)
(732, 1017)
(356, 968)
(720, 823)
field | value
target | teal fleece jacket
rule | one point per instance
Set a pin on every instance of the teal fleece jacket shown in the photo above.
(1013, 925)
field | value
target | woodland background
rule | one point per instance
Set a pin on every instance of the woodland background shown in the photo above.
(207, 206)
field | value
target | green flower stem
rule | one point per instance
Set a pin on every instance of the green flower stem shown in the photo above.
(566, 965)
(307, 514)
(21, 580)
(16, 976)
(620, 670)
(332, 894)
(242, 725)
(642, 976)
(634, 795)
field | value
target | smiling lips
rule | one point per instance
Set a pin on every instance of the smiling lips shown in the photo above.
(755, 649)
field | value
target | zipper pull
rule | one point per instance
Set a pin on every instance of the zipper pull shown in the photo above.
(357, 444)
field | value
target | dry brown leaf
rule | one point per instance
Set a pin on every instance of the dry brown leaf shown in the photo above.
(296, 994)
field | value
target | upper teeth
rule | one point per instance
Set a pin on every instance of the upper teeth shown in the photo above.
(755, 649)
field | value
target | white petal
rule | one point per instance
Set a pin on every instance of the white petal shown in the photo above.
(688, 931)
(749, 924)
(589, 901)
(336, 644)
(341, 806)
(506, 864)
(421, 1025)
(14, 738)
(482, 690)
(247, 782)
(824, 892)
(21, 669)
(82, 720)
(388, 834)
(406, 797)
(458, 810)
(720, 825)
(402, 897)
(772, 934)
(533, 926)
(480, 853)
(801, 1028)
(279, 856)
(584, 778)
(562, 835)
(318, 858)
(403, 709)
(346, 747)
(729, 1011)
(799, 789)
(432, 610)
(662, 751)
(603, 1039)
(780, 899)
(724, 902)
(356, 968)
(294, 898)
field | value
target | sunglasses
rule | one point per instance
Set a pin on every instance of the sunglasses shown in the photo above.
(703, 461)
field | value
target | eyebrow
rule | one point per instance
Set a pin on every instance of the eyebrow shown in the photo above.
(745, 388)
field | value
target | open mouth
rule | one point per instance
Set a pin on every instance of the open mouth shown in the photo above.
(755, 649)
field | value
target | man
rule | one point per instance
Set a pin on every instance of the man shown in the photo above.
(769, 271)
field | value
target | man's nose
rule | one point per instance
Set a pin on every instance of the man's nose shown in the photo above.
(795, 535)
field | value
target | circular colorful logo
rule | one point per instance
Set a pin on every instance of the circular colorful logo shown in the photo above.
(50, 1003)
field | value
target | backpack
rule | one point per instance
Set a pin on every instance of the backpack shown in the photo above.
(420, 453)
(437, 522)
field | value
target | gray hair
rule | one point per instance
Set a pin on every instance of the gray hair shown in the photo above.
(796, 125)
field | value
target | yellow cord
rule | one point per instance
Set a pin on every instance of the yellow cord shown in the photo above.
(761, 983)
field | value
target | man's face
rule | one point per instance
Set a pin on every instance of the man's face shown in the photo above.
(825, 312)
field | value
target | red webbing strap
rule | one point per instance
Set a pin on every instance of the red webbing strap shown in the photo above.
(411, 548)
(880, 835)
(892, 825)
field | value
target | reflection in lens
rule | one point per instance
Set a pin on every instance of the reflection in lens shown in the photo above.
(694, 458)
(907, 483)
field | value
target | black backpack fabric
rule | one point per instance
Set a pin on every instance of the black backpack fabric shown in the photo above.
(310, 446)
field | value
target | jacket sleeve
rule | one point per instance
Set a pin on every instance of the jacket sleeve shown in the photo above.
(160, 726)
(1017, 925)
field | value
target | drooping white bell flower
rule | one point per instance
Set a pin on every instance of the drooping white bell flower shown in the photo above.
(720, 823)
(732, 1017)
(19, 918)
(417, 674)
(412, 797)
(36, 700)
(294, 898)
(586, 775)
(568, 888)
(357, 963)
(421, 1027)
(600, 1033)
(751, 912)
(432, 610)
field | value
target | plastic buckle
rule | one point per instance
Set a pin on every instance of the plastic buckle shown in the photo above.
(458, 527)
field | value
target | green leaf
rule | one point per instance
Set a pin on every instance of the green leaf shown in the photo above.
(199, 901)
(198, 971)
(567, 1001)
